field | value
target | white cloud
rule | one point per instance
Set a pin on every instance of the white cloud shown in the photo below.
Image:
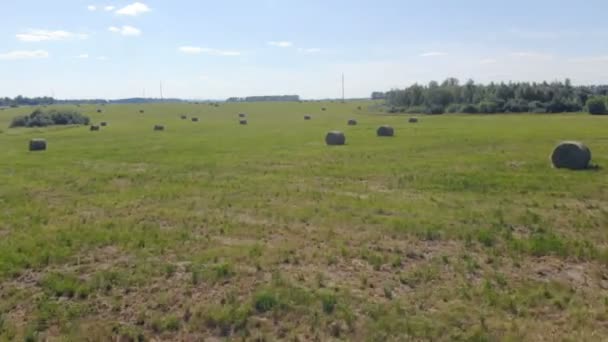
(309, 50)
(134, 9)
(102, 58)
(195, 50)
(24, 54)
(433, 54)
(488, 61)
(281, 44)
(191, 50)
(46, 35)
(83, 56)
(92, 8)
(531, 34)
(126, 30)
(595, 59)
(531, 55)
(109, 8)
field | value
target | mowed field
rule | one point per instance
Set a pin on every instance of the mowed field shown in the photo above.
(457, 228)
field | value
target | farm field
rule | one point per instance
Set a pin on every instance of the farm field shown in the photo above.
(457, 228)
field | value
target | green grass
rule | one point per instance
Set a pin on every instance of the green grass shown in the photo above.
(455, 229)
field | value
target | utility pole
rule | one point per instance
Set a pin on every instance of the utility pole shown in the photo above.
(161, 91)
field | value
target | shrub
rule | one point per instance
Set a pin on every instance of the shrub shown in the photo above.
(516, 106)
(40, 118)
(596, 105)
(488, 107)
(537, 107)
(434, 109)
(416, 110)
(469, 109)
(453, 108)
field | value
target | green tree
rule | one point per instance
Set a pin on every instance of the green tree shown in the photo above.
(596, 105)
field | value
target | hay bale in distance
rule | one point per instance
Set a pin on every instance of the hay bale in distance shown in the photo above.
(99, 111)
(141, 111)
(323, 109)
(573, 155)
(242, 115)
(385, 131)
(159, 127)
(194, 119)
(307, 117)
(413, 120)
(184, 117)
(335, 138)
(37, 145)
(94, 128)
(103, 124)
(243, 122)
(352, 122)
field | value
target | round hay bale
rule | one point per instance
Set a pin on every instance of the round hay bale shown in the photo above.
(242, 115)
(335, 138)
(37, 145)
(413, 120)
(103, 124)
(359, 108)
(194, 119)
(159, 127)
(141, 111)
(385, 131)
(307, 117)
(184, 117)
(352, 122)
(243, 122)
(99, 111)
(323, 109)
(94, 128)
(571, 155)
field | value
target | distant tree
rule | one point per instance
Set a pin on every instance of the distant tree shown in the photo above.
(377, 95)
(596, 105)
(554, 97)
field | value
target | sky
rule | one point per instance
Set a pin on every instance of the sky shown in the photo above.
(199, 49)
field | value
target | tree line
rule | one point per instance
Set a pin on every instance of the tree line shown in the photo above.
(26, 101)
(274, 98)
(43, 101)
(514, 97)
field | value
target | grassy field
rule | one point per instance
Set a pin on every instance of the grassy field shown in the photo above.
(455, 229)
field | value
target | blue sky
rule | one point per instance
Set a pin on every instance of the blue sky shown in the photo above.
(218, 49)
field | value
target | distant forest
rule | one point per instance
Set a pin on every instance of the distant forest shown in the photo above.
(25, 101)
(453, 97)
(273, 98)
(40, 101)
